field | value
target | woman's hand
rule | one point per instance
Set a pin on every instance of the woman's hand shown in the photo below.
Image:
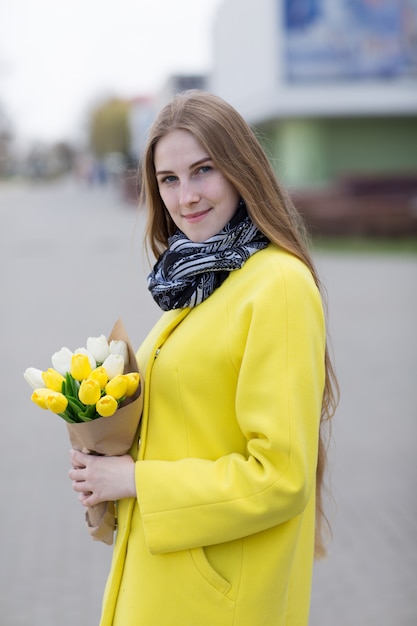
(102, 478)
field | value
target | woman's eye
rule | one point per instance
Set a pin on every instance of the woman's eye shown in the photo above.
(204, 168)
(168, 179)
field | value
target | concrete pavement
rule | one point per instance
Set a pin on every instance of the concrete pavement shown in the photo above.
(72, 258)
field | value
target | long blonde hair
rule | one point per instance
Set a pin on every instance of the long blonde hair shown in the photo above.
(237, 153)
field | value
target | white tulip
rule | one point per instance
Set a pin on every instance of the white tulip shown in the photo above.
(119, 347)
(98, 347)
(114, 365)
(33, 377)
(61, 361)
(89, 355)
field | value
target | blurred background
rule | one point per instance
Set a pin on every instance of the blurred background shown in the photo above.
(330, 87)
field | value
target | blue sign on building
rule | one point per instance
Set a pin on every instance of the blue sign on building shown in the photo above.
(350, 39)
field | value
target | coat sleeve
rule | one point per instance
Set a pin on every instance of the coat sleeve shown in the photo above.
(197, 502)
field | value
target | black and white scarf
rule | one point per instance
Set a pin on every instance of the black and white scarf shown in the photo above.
(187, 272)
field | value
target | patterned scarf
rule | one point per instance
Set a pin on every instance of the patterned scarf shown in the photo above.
(187, 272)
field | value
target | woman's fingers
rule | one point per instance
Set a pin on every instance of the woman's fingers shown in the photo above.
(100, 478)
(78, 459)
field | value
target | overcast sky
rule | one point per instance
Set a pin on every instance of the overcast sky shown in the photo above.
(58, 56)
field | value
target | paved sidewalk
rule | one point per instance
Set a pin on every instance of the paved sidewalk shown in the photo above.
(369, 578)
(72, 256)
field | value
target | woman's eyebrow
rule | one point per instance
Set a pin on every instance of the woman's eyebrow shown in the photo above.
(192, 165)
(203, 160)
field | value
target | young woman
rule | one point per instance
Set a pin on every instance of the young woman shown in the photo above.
(219, 505)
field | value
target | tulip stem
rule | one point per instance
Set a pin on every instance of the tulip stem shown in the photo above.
(68, 418)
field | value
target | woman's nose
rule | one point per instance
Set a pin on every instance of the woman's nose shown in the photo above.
(188, 194)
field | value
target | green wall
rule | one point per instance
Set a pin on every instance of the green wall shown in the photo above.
(315, 152)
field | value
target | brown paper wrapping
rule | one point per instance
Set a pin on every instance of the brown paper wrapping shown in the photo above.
(110, 436)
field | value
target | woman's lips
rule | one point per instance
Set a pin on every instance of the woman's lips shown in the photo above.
(196, 217)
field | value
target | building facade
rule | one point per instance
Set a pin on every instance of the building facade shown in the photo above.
(331, 85)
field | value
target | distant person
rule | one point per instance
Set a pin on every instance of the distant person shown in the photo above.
(220, 505)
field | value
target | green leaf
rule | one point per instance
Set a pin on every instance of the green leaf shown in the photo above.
(75, 405)
(89, 413)
(72, 386)
(83, 417)
(68, 418)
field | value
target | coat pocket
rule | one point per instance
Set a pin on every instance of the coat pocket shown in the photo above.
(208, 572)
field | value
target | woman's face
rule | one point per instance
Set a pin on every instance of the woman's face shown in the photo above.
(199, 199)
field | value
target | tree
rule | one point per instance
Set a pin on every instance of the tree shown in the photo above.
(109, 128)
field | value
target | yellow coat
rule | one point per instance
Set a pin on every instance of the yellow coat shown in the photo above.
(222, 530)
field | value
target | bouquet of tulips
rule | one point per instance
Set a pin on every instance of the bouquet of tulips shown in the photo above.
(97, 390)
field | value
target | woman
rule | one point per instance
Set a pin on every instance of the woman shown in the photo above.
(220, 503)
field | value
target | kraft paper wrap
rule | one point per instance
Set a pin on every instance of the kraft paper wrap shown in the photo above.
(109, 436)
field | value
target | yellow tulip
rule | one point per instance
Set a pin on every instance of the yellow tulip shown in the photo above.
(39, 397)
(106, 406)
(100, 375)
(80, 366)
(117, 386)
(89, 391)
(50, 399)
(53, 379)
(56, 402)
(133, 379)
